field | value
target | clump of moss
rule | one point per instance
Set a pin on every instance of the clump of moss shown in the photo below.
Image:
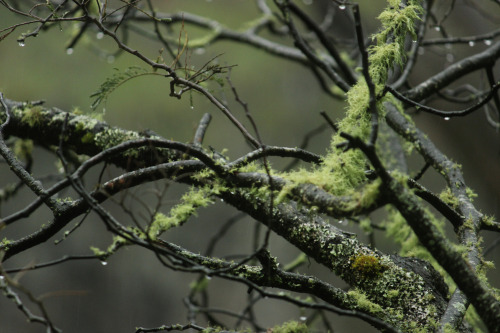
(343, 171)
(367, 266)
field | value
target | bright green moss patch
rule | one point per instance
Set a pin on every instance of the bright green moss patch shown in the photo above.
(118, 242)
(342, 172)
(180, 213)
(364, 303)
(290, 327)
(449, 198)
(5, 243)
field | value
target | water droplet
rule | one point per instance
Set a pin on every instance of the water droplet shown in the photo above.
(208, 277)
(450, 57)
(414, 41)
(472, 43)
(192, 107)
(437, 28)
(99, 35)
(487, 42)
(69, 51)
(104, 263)
(21, 42)
(2, 277)
(342, 7)
(303, 318)
(446, 118)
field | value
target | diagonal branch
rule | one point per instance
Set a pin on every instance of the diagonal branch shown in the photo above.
(454, 72)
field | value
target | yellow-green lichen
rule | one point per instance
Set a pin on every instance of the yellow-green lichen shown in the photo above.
(342, 172)
(98, 252)
(33, 116)
(179, 214)
(363, 303)
(113, 136)
(117, 242)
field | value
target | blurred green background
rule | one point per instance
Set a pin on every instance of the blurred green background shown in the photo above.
(285, 100)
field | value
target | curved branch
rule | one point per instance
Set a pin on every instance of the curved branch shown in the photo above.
(460, 113)
(454, 72)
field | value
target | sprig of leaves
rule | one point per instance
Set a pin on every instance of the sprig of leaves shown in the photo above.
(115, 81)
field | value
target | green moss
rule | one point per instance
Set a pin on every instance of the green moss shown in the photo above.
(449, 198)
(342, 172)
(112, 137)
(33, 116)
(179, 214)
(367, 266)
(5, 243)
(64, 200)
(471, 194)
(98, 252)
(290, 327)
(118, 242)
(363, 303)
(488, 220)
(467, 224)
(392, 293)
